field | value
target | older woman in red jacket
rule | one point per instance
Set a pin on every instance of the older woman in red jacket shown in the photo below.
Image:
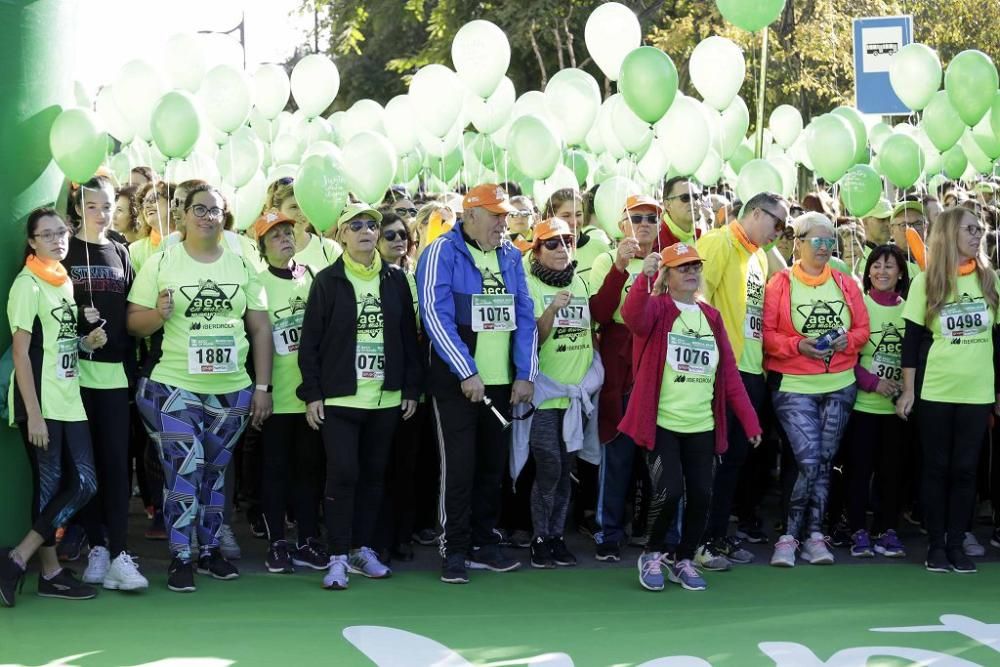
(686, 376)
(815, 324)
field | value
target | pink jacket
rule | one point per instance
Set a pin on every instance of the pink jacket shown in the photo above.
(650, 318)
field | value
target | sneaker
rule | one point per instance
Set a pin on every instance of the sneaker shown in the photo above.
(972, 547)
(217, 565)
(650, 566)
(453, 569)
(995, 538)
(227, 543)
(491, 557)
(72, 543)
(708, 559)
(861, 545)
(66, 586)
(504, 536)
(312, 554)
(560, 554)
(937, 560)
(124, 575)
(751, 532)
(427, 537)
(784, 551)
(589, 526)
(960, 561)
(180, 576)
(841, 536)
(365, 561)
(258, 527)
(157, 529)
(11, 578)
(889, 545)
(815, 550)
(686, 574)
(98, 563)
(541, 555)
(608, 552)
(732, 548)
(336, 575)
(520, 539)
(277, 560)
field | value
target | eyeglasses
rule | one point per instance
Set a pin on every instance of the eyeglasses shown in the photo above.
(788, 233)
(392, 234)
(50, 236)
(690, 267)
(912, 224)
(779, 223)
(408, 212)
(818, 244)
(287, 180)
(358, 225)
(974, 230)
(206, 213)
(686, 197)
(644, 218)
(520, 214)
(559, 242)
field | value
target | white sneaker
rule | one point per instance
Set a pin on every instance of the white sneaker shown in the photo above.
(124, 575)
(972, 547)
(228, 547)
(784, 551)
(815, 550)
(98, 563)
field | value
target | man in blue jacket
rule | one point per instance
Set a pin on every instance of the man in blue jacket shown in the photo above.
(477, 312)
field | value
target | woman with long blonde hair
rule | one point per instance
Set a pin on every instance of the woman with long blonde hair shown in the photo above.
(949, 375)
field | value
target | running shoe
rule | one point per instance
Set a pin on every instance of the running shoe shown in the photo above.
(650, 566)
(11, 578)
(98, 564)
(72, 543)
(227, 543)
(541, 555)
(277, 560)
(972, 547)
(453, 569)
(491, 557)
(180, 575)
(365, 561)
(707, 558)
(520, 539)
(960, 562)
(686, 574)
(124, 575)
(560, 553)
(815, 550)
(336, 576)
(937, 560)
(841, 535)
(312, 554)
(258, 527)
(861, 545)
(157, 529)
(217, 565)
(995, 538)
(65, 586)
(784, 551)
(751, 532)
(608, 552)
(427, 537)
(732, 548)
(889, 545)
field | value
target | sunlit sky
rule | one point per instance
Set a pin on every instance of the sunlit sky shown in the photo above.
(140, 28)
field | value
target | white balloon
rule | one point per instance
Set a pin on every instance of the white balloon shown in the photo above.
(136, 91)
(399, 125)
(364, 116)
(287, 149)
(710, 170)
(654, 164)
(323, 148)
(594, 141)
(481, 54)
(271, 89)
(612, 144)
(226, 97)
(717, 71)
(315, 129)
(612, 31)
(562, 178)
(735, 121)
(247, 202)
(633, 132)
(789, 174)
(685, 130)
(374, 156)
(184, 61)
(315, 83)
(82, 96)
(112, 119)
(489, 115)
(786, 125)
(238, 160)
(436, 146)
(337, 122)
(573, 98)
(437, 96)
(282, 171)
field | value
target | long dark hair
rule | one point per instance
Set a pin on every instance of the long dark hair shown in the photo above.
(74, 210)
(888, 250)
(32, 225)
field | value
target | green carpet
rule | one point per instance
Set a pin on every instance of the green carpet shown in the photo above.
(594, 617)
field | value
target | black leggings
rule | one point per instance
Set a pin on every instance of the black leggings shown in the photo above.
(873, 445)
(108, 415)
(292, 455)
(357, 443)
(952, 436)
(680, 464)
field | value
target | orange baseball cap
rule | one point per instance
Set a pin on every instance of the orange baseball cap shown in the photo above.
(678, 254)
(268, 220)
(489, 196)
(550, 229)
(638, 201)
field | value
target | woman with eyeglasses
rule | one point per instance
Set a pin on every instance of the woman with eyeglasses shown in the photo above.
(686, 379)
(310, 249)
(205, 306)
(569, 205)
(237, 243)
(102, 276)
(950, 378)
(155, 221)
(520, 222)
(815, 324)
(47, 408)
(360, 372)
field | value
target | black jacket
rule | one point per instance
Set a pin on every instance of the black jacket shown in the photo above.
(329, 336)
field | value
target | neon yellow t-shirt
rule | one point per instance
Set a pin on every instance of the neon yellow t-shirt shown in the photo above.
(597, 244)
(567, 353)
(319, 253)
(882, 354)
(140, 251)
(960, 361)
(205, 345)
(102, 374)
(816, 310)
(603, 265)
(32, 300)
(286, 306)
(494, 308)
(688, 385)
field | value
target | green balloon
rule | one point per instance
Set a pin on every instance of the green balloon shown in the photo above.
(995, 115)
(971, 81)
(860, 188)
(853, 116)
(321, 190)
(901, 160)
(758, 176)
(609, 203)
(831, 146)
(985, 139)
(741, 156)
(751, 15)
(409, 165)
(482, 147)
(577, 162)
(77, 145)
(445, 168)
(174, 124)
(942, 123)
(533, 147)
(880, 132)
(979, 160)
(648, 82)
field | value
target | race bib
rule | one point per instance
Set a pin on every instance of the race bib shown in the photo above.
(67, 358)
(493, 312)
(887, 366)
(286, 333)
(753, 325)
(211, 354)
(369, 361)
(695, 356)
(574, 315)
(964, 319)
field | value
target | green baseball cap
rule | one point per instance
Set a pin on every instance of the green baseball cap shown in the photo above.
(356, 210)
(882, 210)
(907, 206)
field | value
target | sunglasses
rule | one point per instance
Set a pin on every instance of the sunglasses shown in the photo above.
(520, 214)
(818, 244)
(690, 267)
(559, 242)
(392, 235)
(409, 212)
(358, 225)
(687, 197)
(644, 218)
(779, 223)
(287, 180)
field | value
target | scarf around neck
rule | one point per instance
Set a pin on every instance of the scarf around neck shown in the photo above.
(553, 278)
(49, 270)
(360, 271)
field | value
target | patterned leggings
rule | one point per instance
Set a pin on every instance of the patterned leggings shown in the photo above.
(194, 435)
(814, 424)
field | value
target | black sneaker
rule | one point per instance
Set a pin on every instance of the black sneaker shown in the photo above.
(180, 576)
(589, 526)
(608, 552)
(427, 537)
(520, 539)
(995, 538)
(258, 527)
(937, 560)
(960, 562)
(841, 536)
(491, 557)
(751, 532)
(215, 564)
(453, 569)
(11, 578)
(541, 555)
(65, 586)
(312, 555)
(560, 554)
(277, 560)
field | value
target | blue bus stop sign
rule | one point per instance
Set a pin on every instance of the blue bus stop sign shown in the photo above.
(876, 40)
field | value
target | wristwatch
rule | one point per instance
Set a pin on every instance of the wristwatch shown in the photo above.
(264, 387)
